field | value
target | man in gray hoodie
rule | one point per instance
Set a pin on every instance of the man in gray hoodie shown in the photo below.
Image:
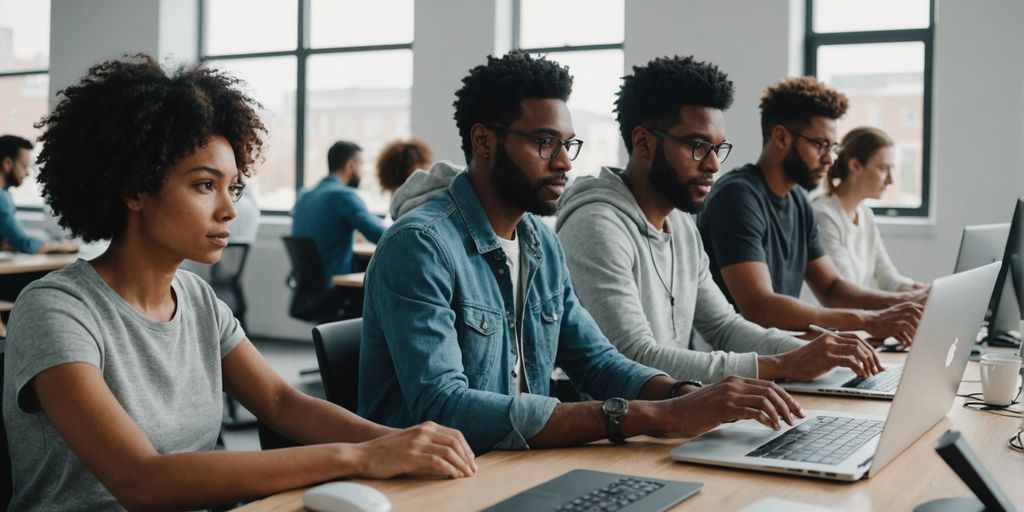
(636, 257)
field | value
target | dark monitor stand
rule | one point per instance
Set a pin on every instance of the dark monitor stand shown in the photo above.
(953, 449)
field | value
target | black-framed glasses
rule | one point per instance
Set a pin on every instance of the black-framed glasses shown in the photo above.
(548, 146)
(822, 145)
(699, 148)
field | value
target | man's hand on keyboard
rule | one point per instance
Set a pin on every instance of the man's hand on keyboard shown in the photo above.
(819, 356)
(733, 398)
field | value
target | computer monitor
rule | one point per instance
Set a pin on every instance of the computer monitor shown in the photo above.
(1006, 307)
(980, 245)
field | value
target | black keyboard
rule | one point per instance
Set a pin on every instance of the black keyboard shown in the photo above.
(585, 490)
(614, 496)
(821, 440)
(885, 381)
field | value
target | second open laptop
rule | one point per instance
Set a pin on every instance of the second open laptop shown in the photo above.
(845, 446)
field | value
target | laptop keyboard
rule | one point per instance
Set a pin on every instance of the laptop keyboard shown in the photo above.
(885, 381)
(823, 440)
(614, 496)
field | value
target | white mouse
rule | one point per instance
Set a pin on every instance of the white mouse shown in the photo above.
(345, 497)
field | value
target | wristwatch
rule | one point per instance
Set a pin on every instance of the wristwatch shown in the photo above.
(614, 410)
(674, 390)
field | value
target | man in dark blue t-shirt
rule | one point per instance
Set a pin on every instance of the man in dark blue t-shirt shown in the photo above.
(760, 232)
(331, 212)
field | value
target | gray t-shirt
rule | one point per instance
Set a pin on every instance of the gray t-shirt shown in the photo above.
(166, 375)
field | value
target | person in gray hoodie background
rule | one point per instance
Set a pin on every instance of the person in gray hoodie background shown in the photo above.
(635, 255)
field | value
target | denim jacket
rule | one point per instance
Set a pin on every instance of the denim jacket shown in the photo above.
(438, 340)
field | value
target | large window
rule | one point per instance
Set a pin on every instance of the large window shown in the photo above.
(879, 53)
(591, 46)
(24, 78)
(324, 70)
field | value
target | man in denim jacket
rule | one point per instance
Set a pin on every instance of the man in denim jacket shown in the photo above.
(469, 305)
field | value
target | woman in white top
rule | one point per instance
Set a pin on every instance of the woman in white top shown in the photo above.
(846, 225)
(115, 366)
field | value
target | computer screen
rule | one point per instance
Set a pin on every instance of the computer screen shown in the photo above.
(1005, 307)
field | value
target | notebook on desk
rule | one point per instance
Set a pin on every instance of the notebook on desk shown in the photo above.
(844, 446)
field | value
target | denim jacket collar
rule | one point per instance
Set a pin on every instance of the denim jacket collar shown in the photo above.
(479, 226)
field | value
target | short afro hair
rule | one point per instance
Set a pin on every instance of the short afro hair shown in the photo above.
(654, 93)
(117, 132)
(492, 93)
(794, 101)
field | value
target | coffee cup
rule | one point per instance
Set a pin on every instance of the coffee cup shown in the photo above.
(999, 379)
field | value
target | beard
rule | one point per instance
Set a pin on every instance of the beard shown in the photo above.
(514, 186)
(665, 180)
(797, 170)
(354, 181)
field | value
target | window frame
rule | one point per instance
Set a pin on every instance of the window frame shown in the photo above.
(26, 73)
(301, 52)
(814, 40)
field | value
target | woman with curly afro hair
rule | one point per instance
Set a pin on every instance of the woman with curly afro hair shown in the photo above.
(115, 366)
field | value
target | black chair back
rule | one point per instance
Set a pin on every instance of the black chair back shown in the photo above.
(306, 279)
(226, 279)
(6, 484)
(337, 353)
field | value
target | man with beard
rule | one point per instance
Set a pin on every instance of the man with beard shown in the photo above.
(760, 232)
(469, 305)
(637, 260)
(15, 160)
(331, 212)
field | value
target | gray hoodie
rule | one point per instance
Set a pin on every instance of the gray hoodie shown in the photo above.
(622, 269)
(421, 186)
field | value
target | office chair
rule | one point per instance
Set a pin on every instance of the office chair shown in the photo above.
(6, 484)
(226, 279)
(311, 301)
(337, 353)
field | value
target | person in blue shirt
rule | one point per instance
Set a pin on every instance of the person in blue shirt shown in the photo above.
(15, 160)
(331, 212)
(469, 305)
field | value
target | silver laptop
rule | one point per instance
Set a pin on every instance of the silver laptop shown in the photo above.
(842, 381)
(848, 446)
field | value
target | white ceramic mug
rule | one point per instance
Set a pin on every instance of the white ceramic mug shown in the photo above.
(999, 379)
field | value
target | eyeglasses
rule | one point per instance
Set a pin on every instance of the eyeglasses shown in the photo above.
(823, 145)
(699, 148)
(548, 146)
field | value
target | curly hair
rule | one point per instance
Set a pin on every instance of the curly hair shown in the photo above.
(860, 143)
(117, 132)
(654, 93)
(399, 159)
(794, 101)
(492, 93)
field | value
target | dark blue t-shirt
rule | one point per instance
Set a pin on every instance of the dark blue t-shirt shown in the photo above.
(743, 220)
(330, 213)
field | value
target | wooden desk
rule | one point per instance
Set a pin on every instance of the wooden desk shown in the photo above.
(27, 263)
(915, 476)
(354, 280)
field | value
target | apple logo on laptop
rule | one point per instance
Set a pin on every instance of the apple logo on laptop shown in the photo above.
(952, 352)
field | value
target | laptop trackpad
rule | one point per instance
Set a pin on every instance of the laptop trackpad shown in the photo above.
(734, 440)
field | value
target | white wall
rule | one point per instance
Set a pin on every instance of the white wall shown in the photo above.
(86, 33)
(978, 125)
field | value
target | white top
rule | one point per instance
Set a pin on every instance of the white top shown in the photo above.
(511, 248)
(856, 250)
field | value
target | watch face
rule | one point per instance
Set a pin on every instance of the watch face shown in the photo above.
(615, 407)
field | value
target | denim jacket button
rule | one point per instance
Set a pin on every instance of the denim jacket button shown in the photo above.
(501, 271)
(483, 325)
